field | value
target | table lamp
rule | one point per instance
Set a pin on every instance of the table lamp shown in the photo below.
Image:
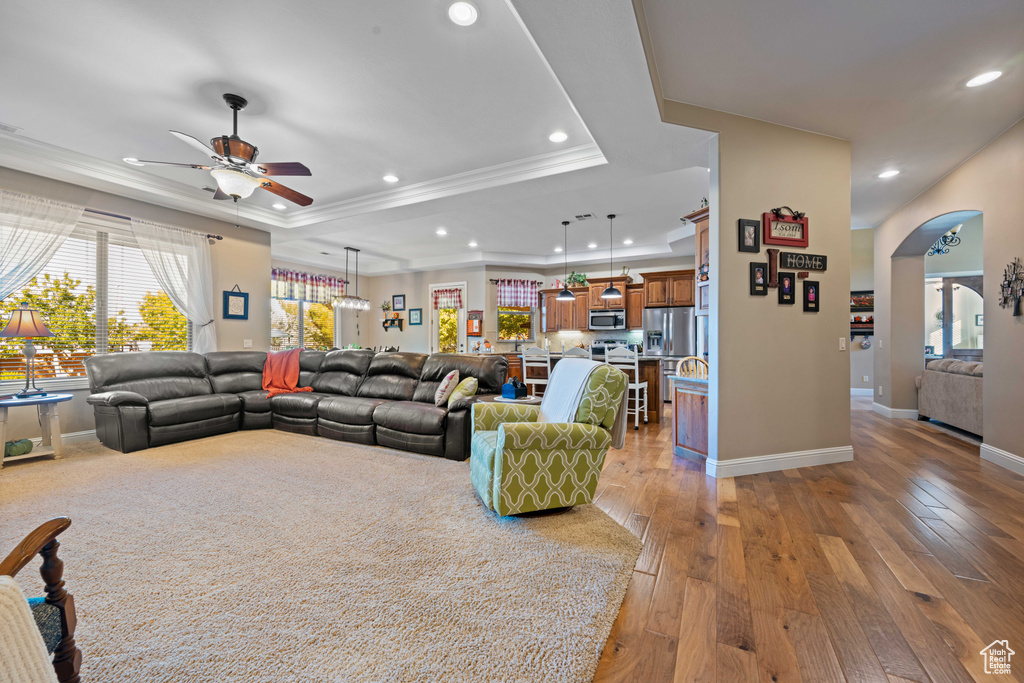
(26, 322)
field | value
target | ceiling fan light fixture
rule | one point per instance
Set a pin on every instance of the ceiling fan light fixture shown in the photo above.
(235, 183)
(133, 161)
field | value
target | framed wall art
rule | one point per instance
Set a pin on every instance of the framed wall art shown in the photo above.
(749, 236)
(398, 302)
(784, 230)
(415, 316)
(787, 288)
(812, 296)
(236, 304)
(758, 279)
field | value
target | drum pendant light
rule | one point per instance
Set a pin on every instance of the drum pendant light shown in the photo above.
(610, 292)
(565, 294)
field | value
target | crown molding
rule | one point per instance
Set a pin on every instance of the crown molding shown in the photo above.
(40, 158)
(540, 166)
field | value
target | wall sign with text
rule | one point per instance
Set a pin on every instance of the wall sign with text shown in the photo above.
(786, 230)
(796, 261)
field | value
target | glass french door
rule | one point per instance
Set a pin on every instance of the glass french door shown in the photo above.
(448, 325)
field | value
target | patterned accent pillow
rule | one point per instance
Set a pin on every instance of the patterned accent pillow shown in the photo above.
(466, 388)
(448, 384)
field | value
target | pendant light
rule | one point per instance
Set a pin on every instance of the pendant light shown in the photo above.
(565, 294)
(353, 302)
(610, 292)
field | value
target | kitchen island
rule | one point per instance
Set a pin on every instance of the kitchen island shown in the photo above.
(650, 371)
(689, 417)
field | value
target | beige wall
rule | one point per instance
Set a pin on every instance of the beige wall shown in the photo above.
(966, 258)
(242, 258)
(989, 182)
(862, 276)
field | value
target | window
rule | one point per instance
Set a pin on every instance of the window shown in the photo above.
(515, 322)
(301, 325)
(97, 295)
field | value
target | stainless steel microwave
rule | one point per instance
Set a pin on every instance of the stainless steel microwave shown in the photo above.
(613, 319)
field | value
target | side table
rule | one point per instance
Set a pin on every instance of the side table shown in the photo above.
(49, 423)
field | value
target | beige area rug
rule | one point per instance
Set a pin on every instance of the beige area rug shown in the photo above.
(266, 556)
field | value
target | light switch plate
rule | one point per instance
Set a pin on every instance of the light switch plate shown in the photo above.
(866, 379)
(247, 343)
(842, 343)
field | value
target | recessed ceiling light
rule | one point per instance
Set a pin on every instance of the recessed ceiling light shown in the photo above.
(558, 250)
(463, 13)
(133, 161)
(592, 245)
(627, 241)
(473, 244)
(558, 136)
(441, 232)
(389, 178)
(888, 174)
(279, 206)
(982, 79)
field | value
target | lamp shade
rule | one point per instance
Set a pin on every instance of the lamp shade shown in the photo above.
(565, 295)
(26, 322)
(235, 183)
(611, 292)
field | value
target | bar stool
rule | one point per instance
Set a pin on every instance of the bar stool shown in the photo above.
(627, 360)
(536, 357)
(576, 352)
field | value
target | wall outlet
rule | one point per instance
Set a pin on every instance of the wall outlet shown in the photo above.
(865, 379)
(842, 343)
(247, 343)
(880, 392)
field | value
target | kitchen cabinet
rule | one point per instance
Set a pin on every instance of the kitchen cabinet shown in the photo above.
(690, 418)
(565, 315)
(598, 286)
(669, 288)
(701, 220)
(634, 307)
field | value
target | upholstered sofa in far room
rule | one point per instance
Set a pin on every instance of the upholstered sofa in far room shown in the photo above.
(151, 399)
(949, 391)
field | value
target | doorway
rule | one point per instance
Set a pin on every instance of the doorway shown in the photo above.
(448, 317)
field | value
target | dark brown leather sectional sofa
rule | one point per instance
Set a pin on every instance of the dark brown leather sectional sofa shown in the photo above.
(151, 399)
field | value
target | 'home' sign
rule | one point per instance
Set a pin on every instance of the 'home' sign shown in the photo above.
(792, 261)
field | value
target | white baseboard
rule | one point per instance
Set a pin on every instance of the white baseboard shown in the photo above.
(894, 413)
(722, 469)
(72, 437)
(1012, 462)
(862, 391)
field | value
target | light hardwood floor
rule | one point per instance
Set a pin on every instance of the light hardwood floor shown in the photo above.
(899, 566)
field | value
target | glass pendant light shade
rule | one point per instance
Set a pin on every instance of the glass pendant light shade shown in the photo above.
(349, 301)
(235, 183)
(610, 291)
(565, 294)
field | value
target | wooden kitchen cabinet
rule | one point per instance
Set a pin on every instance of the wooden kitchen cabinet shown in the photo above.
(690, 418)
(596, 302)
(703, 223)
(551, 312)
(581, 308)
(565, 315)
(634, 307)
(669, 288)
(598, 286)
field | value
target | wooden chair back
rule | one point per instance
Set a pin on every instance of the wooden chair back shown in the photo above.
(692, 366)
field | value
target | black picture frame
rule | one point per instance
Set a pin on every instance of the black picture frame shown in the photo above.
(749, 235)
(812, 296)
(415, 316)
(787, 295)
(398, 302)
(758, 288)
(234, 297)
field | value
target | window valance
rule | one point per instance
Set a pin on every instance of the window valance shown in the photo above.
(447, 298)
(312, 287)
(517, 293)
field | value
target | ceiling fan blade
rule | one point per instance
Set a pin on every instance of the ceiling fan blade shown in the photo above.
(286, 192)
(221, 194)
(281, 168)
(193, 142)
(143, 162)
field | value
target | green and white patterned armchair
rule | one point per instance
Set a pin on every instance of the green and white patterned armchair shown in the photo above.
(518, 464)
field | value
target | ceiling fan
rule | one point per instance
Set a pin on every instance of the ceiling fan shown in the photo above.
(236, 171)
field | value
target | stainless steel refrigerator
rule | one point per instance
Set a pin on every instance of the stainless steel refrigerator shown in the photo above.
(670, 333)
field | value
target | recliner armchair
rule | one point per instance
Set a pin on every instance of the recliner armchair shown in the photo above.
(518, 464)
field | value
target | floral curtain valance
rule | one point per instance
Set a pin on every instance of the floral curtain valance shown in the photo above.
(312, 287)
(447, 298)
(517, 293)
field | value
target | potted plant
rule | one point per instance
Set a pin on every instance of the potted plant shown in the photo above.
(576, 279)
(385, 307)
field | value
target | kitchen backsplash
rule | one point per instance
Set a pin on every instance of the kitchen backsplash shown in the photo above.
(569, 339)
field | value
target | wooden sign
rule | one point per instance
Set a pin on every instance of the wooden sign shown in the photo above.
(786, 231)
(796, 261)
(773, 268)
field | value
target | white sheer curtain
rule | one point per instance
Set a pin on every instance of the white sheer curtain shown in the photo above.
(31, 231)
(180, 260)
